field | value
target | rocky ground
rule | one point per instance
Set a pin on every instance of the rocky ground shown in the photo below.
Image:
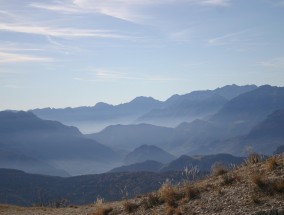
(254, 188)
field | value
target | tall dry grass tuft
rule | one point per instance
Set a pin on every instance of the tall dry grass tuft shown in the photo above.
(100, 208)
(151, 201)
(259, 181)
(103, 211)
(130, 207)
(190, 191)
(168, 193)
(272, 163)
(253, 158)
(218, 169)
(278, 186)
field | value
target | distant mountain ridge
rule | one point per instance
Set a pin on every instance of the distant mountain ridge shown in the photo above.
(132, 136)
(100, 115)
(194, 105)
(221, 133)
(264, 138)
(52, 143)
(202, 163)
(251, 117)
(15, 160)
(173, 111)
(148, 152)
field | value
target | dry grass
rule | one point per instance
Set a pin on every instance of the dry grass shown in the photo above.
(272, 163)
(168, 194)
(278, 186)
(268, 187)
(253, 158)
(259, 181)
(219, 169)
(227, 180)
(255, 199)
(170, 210)
(151, 201)
(103, 211)
(190, 192)
(130, 207)
(178, 211)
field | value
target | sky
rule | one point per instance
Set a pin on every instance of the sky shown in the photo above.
(70, 53)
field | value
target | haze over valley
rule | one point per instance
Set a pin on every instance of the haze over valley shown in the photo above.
(231, 119)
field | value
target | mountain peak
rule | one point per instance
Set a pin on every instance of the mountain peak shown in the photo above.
(148, 152)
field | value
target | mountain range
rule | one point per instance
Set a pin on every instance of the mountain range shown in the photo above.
(44, 146)
(170, 113)
(200, 163)
(232, 119)
(238, 125)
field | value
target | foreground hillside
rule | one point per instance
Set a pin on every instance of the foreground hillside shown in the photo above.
(254, 188)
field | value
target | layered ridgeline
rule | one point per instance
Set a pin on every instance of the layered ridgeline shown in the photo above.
(95, 118)
(48, 147)
(239, 125)
(170, 113)
(250, 120)
(201, 163)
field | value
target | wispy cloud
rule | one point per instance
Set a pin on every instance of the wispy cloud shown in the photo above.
(62, 7)
(181, 36)
(105, 75)
(213, 2)
(228, 38)
(6, 57)
(60, 32)
(122, 9)
(244, 39)
(129, 10)
(274, 63)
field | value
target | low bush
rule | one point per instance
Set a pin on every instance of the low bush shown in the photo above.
(130, 207)
(218, 169)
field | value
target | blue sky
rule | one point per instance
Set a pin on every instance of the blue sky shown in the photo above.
(59, 53)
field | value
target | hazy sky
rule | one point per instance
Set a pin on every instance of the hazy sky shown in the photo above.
(59, 53)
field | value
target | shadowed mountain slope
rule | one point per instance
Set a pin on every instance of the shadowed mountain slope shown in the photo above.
(146, 166)
(130, 137)
(245, 111)
(90, 119)
(148, 152)
(202, 163)
(50, 141)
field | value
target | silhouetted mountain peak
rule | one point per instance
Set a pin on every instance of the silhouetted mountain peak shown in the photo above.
(102, 105)
(142, 99)
(148, 152)
(231, 91)
(146, 148)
